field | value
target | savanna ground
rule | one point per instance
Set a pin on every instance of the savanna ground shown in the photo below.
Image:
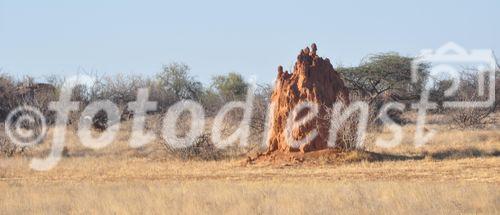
(456, 172)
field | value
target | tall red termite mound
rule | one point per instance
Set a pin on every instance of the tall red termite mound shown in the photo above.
(313, 80)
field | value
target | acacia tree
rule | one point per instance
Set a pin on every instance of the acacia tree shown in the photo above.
(230, 87)
(381, 73)
(175, 83)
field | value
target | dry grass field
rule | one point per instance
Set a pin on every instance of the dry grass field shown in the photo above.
(456, 173)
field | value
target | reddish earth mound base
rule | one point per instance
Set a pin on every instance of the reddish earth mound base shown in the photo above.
(320, 157)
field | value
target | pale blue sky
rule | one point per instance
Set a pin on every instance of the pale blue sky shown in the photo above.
(215, 37)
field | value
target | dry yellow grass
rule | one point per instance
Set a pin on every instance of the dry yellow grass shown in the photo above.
(249, 197)
(456, 173)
